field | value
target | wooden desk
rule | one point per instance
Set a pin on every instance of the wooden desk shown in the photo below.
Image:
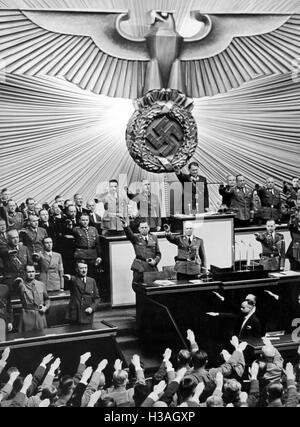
(286, 345)
(118, 257)
(68, 343)
(164, 313)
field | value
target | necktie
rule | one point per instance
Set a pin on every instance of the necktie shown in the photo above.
(190, 241)
(146, 240)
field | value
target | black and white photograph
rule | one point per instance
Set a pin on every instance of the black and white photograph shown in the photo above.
(149, 206)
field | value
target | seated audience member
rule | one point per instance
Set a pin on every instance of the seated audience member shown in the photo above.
(119, 392)
(242, 203)
(15, 219)
(6, 314)
(293, 252)
(270, 201)
(87, 245)
(51, 267)
(84, 296)
(14, 257)
(273, 247)
(225, 191)
(270, 385)
(33, 235)
(29, 209)
(35, 302)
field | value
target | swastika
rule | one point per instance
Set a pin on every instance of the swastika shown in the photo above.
(164, 137)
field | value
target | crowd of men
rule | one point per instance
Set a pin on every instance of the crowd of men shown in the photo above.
(59, 241)
(264, 202)
(184, 380)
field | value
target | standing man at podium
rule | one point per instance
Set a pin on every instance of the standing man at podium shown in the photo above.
(273, 248)
(195, 190)
(146, 247)
(191, 259)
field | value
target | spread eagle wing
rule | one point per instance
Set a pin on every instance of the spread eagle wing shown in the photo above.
(84, 48)
(240, 48)
(89, 49)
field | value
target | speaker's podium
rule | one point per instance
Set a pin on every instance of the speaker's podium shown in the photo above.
(217, 232)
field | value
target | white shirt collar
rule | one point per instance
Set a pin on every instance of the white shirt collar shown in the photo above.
(248, 317)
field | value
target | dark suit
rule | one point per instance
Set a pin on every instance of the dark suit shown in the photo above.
(143, 251)
(224, 191)
(195, 191)
(251, 329)
(83, 296)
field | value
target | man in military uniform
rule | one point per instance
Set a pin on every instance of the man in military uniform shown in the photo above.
(87, 246)
(191, 259)
(14, 257)
(15, 219)
(35, 302)
(273, 247)
(146, 247)
(33, 236)
(270, 201)
(242, 203)
(148, 206)
(5, 312)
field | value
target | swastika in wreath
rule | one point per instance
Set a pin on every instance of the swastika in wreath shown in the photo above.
(164, 137)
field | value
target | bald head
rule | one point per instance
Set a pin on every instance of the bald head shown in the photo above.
(188, 228)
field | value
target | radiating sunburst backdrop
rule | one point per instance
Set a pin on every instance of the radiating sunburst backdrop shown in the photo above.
(57, 138)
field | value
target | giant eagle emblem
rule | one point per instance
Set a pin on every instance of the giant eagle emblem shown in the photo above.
(161, 69)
